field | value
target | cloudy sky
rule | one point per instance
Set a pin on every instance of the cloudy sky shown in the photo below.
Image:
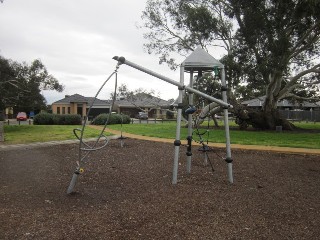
(76, 40)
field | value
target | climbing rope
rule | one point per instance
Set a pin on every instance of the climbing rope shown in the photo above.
(85, 147)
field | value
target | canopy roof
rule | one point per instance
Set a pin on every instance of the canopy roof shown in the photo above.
(199, 59)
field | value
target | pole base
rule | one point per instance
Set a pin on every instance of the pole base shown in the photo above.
(72, 183)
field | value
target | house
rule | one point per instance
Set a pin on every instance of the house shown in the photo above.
(283, 104)
(155, 107)
(307, 111)
(78, 104)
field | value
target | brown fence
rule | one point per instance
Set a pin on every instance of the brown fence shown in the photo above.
(312, 116)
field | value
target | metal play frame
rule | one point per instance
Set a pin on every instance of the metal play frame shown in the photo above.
(199, 61)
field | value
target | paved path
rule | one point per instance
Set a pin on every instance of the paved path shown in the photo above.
(37, 144)
(165, 140)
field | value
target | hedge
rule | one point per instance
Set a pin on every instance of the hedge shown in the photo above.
(113, 119)
(56, 119)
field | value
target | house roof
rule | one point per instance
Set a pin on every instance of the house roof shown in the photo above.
(77, 98)
(142, 101)
(258, 102)
(147, 101)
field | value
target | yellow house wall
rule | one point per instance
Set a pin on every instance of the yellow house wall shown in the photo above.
(73, 108)
(55, 108)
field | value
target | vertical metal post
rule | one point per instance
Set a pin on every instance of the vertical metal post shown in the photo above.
(226, 125)
(189, 138)
(177, 141)
(205, 159)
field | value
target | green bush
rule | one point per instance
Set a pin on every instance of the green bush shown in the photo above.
(1, 117)
(67, 119)
(43, 119)
(169, 115)
(113, 119)
(56, 119)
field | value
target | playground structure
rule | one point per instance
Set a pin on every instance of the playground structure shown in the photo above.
(198, 62)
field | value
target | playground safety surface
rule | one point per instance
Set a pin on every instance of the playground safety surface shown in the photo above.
(126, 193)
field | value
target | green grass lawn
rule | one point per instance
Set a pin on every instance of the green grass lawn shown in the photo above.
(43, 133)
(250, 137)
(38, 133)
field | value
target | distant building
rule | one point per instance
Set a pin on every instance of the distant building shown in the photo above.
(78, 104)
(155, 107)
(283, 104)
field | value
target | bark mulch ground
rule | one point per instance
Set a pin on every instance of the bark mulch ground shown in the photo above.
(126, 193)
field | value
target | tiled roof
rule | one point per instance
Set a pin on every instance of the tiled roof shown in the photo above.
(258, 102)
(140, 101)
(143, 102)
(77, 98)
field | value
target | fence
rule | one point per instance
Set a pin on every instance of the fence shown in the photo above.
(155, 120)
(17, 122)
(304, 115)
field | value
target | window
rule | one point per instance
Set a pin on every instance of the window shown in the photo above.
(69, 111)
(58, 110)
(63, 110)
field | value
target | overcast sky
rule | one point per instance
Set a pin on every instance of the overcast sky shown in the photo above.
(76, 40)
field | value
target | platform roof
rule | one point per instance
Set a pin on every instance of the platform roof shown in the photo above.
(199, 59)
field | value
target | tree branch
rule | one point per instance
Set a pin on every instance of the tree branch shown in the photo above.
(293, 80)
(301, 44)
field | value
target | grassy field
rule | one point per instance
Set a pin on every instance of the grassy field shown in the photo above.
(42, 133)
(37, 133)
(267, 138)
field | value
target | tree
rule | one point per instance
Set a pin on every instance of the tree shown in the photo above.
(271, 46)
(21, 85)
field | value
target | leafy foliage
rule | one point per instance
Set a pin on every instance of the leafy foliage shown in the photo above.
(21, 85)
(271, 45)
(56, 119)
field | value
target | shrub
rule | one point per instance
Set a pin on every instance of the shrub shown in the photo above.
(43, 119)
(1, 116)
(74, 119)
(67, 119)
(56, 119)
(169, 115)
(113, 119)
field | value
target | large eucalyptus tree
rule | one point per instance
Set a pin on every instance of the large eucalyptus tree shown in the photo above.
(272, 46)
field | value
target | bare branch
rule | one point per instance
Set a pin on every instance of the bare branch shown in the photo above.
(306, 40)
(293, 80)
